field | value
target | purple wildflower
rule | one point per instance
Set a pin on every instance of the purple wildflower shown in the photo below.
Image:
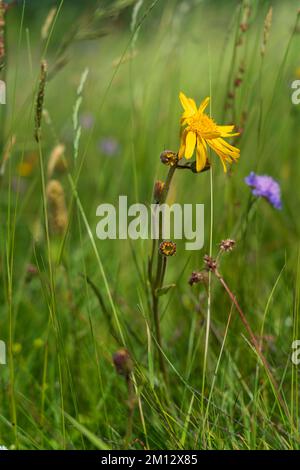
(109, 146)
(265, 186)
(86, 120)
(19, 184)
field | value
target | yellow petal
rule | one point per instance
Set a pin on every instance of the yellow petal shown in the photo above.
(188, 105)
(190, 143)
(224, 165)
(201, 155)
(193, 105)
(226, 148)
(226, 131)
(182, 145)
(226, 128)
(204, 104)
(222, 155)
(181, 151)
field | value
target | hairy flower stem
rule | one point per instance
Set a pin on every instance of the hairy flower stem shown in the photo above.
(157, 281)
(255, 343)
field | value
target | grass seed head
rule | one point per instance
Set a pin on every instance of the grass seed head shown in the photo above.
(40, 100)
(266, 33)
(58, 217)
(56, 160)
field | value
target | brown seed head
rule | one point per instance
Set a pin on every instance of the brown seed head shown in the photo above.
(40, 100)
(198, 277)
(210, 263)
(227, 245)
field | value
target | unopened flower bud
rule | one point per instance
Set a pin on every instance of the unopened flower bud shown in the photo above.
(123, 362)
(158, 190)
(167, 248)
(169, 158)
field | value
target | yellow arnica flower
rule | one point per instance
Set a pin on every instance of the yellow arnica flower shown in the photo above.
(200, 130)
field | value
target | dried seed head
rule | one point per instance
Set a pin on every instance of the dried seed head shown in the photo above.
(267, 27)
(48, 22)
(158, 190)
(58, 217)
(2, 34)
(37, 231)
(167, 248)
(246, 14)
(56, 161)
(169, 158)
(244, 27)
(7, 153)
(198, 277)
(40, 100)
(210, 263)
(123, 362)
(227, 245)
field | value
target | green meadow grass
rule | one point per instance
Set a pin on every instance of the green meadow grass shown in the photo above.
(59, 388)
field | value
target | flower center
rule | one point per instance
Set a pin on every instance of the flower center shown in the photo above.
(203, 125)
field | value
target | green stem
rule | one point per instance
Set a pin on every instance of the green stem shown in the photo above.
(131, 405)
(157, 282)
